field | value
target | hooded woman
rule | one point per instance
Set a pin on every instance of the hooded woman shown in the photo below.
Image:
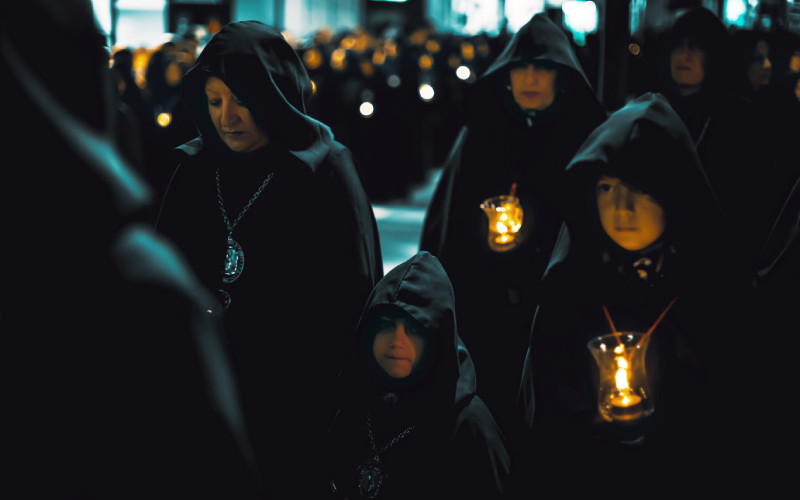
(409, 423)
(699, 74)
(267, 181)
(647, 251)
(525, 118)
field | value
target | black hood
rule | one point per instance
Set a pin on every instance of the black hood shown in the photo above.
(704, 29)
(646, 144)
(539, 39)
(266, 74)
(421, 288)
(542, 40)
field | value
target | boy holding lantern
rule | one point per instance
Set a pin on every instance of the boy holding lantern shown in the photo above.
(647, 252)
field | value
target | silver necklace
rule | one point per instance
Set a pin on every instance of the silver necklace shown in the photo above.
(234, 255)
(370, 475)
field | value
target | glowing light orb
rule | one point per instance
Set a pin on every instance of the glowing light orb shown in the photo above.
(426, 92)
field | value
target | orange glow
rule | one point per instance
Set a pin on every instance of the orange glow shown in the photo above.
(504, 215)
(348, 42)
(378, 57)
(425, 61)
(339, 59)
(794, 62)
(313, 87)
(454, 61)
(367, 69)
(418, 37)
(214, 26)
(140, 59)
(635, 49)
(467, 51)
(363, 40)
(312, 58)
(623, 395)
(432, 46)
(173, 74)
(164, 119)
(624, 403)
(391, 48)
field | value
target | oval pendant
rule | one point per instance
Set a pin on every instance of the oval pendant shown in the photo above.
(234, 261)
(370, 477)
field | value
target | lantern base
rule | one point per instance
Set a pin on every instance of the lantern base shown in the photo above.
(501, 247)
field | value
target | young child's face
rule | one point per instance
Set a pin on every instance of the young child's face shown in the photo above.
(630, 217)
(398, 346)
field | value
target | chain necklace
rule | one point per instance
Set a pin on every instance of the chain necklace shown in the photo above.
(234, 255)
(370, 475)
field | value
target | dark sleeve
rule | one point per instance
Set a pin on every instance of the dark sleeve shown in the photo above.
(176, 380)
(481, 462)
(347, 262)
(436, 223)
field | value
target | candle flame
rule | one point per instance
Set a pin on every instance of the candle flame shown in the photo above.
(622, 376)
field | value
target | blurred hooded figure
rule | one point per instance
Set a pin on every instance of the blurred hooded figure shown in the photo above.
(759, 56)
(409, 424)
(700, 76)
(115, 379)
(266, 182)
(525, 118)
(648, 242)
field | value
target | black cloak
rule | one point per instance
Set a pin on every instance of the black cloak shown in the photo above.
(455, 449)
(693, 360)
(500, 144)
(731, 133)
(115, 379)
(310, 239)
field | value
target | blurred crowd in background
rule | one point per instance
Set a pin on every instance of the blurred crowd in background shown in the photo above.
(393, 97)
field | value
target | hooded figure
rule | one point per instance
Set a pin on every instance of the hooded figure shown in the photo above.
(409, 423)
(700, 76)
(658, 258)
(115, 378)
(266, 181)
(519, 136)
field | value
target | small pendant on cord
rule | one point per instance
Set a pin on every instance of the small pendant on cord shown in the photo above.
(234, 261)
(370, 477)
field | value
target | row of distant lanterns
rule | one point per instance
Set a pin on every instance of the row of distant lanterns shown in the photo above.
(386, 50)
(580, 17)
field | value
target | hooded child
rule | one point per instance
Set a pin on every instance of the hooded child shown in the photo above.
(409, 424)
(648, 250)
(270, 212)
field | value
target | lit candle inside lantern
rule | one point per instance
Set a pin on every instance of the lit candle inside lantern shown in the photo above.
(504, 215)
(625, 405)
(623, 393)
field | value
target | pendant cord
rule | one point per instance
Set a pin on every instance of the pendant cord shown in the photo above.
(649, 331)
(247, 206)
(376, 452)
